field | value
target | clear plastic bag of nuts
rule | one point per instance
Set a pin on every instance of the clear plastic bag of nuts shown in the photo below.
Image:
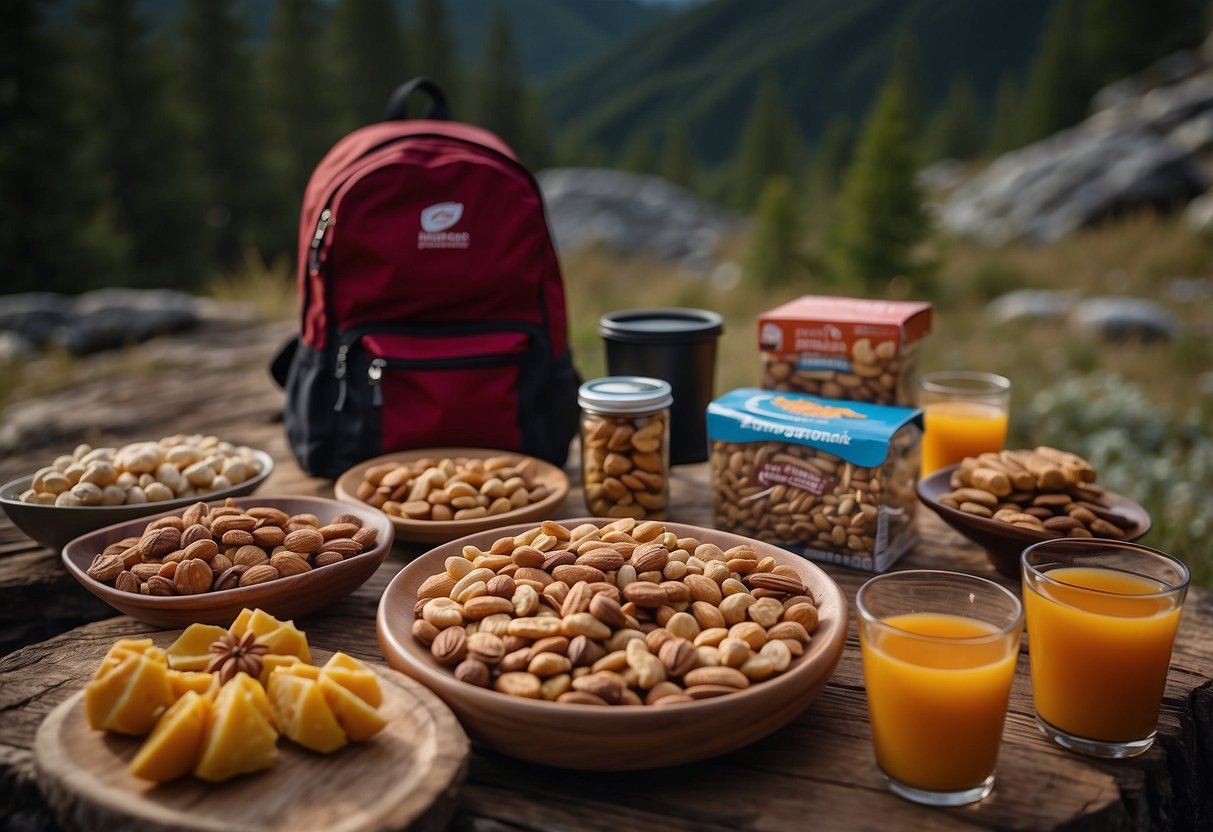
(830, 479)
(625, 446)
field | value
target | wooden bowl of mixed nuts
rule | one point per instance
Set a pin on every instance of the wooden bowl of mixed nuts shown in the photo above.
(91, 487)
(1005, 502)
(615, 645)
(433, 495)
(285, 555)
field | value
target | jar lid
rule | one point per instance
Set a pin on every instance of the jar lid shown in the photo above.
(660, 326)
(625, 394)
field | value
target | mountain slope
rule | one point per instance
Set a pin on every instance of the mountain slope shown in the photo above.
(550, 35)
(829, 55)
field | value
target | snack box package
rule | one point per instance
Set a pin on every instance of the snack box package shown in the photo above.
(843, 348)
(828, 479)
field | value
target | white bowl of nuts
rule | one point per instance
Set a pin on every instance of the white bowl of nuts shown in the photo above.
(95, 487)
(285, 555)
(615, 645)
(433, 495)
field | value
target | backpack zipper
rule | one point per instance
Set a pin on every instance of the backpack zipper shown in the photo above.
(322, 225)
(374, 375)
(343, 353)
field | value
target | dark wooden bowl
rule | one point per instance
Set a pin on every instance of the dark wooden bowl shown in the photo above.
(621, 737)
(289, 597)
(54, 526)
(440, 531)
(1003, 542)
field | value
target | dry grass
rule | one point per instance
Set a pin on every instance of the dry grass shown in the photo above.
(267, 287)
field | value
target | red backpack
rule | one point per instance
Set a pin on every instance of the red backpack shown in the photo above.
(433, 306)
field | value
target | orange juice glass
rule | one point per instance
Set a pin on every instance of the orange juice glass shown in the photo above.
(1102, 617)
(939, 653)
(964, 414)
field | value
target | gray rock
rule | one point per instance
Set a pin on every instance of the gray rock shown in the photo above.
(942, 176)
(98, 320)
(14, 348)
(632, 214)
(1139, 149)
(1070, 180)
(34, 315)
(1120, 319)
(1031, 305)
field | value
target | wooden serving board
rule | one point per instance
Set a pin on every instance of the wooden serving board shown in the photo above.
(408, 775)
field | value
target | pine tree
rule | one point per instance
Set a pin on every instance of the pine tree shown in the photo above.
(224, 126)
(299, 112)
(638, 155)
(367, 60)
(436, 55)
(1005, 126)
(770, 145)
(499, 88)
(56, 238)
(536, 140)
(678, 156)
(135, 146)
(833, 154)
(907, 72)
(771, 255)
(955, 128)
(1058, 88)
(880, 221)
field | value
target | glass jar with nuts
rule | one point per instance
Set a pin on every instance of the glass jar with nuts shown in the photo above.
(625, 446)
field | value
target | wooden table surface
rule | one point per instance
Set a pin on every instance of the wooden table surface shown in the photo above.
(819, 772)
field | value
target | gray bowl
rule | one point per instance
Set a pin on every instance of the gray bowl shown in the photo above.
(54, 526)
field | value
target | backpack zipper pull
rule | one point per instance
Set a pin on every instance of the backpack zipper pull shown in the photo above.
(321, 226)
(374, 374)
(342, 354)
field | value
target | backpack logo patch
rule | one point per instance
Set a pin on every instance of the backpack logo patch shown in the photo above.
(435, 220)
(442, 216)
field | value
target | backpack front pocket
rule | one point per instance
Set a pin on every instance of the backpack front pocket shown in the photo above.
(431, 387)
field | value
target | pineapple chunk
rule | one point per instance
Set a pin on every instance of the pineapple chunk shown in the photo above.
(302, 713)
(175, 744)
(360, 720)
(240, 738)
(355, 677)
(191, 650)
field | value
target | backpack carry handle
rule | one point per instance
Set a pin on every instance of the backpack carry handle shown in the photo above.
(398, 104)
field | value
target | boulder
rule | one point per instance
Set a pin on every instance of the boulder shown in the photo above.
(632, 214)
(98, 320)
(1031, 305)
(1121, 319)
(1139, 148)
(1072, 179)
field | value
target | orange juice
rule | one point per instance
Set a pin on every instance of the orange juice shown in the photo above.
(1099, 661)
(956, 429)
(937, 705)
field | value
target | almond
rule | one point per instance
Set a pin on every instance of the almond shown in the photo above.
(258, 575)
(106, 567)
(290, 563)
(306, 540)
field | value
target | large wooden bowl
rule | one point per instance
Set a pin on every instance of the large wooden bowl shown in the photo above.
(54, 526)
(621, 737)
(283, 598)
(440, 531)
(1003, 542)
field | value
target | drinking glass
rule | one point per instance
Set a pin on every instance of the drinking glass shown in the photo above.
(939, 652)
(964, 414)
(1102, 617)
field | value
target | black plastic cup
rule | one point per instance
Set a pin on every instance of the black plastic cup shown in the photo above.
(679, 346)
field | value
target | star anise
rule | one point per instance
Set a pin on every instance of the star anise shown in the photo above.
(234, 654)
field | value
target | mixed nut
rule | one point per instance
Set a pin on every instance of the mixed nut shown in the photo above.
(625, 614)
(1047, 490)
(452, 489)
(875, 375)
(143, 472)
(208, 549)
